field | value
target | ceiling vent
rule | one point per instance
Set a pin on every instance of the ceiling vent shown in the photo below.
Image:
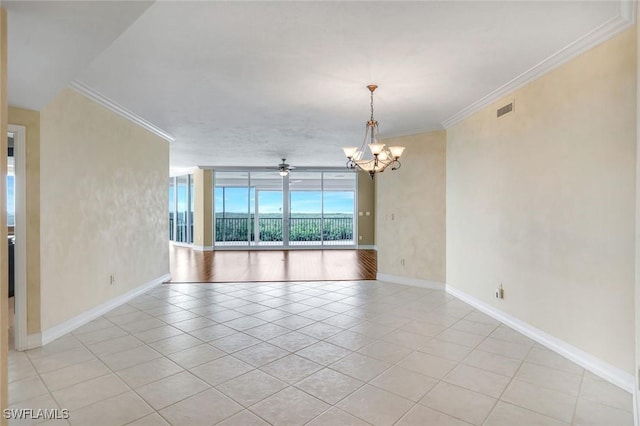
(505, 109)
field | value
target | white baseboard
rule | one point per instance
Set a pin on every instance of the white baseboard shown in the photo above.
(71, 324)
(636, 414)
(415, 282)
(179, 244)
(202, 248)
(34, 340)
(366, 247)
(612, 374)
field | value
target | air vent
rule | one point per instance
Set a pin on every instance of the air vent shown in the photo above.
(505, 110)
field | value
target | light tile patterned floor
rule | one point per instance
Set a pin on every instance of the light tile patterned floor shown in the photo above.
(316, 353)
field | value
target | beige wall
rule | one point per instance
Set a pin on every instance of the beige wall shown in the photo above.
(30, 120)
(542, 201)
(103, 206)
(203, 204)
(366, 203)
(410, 210)
(637, 233)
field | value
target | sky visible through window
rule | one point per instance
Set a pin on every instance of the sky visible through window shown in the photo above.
(308, 202)
(270, 202)
(11, 207)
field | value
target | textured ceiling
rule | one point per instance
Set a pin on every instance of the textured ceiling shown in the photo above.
(247, 83)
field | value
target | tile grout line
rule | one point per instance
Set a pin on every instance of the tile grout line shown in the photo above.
(376, 305)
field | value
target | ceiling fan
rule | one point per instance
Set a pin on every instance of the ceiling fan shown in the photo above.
(284, 168)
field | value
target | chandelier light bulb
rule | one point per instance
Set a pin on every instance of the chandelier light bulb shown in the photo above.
(376, 148)
(396, 151)
(350, 151)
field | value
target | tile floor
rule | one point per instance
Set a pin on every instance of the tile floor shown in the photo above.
(316, 353)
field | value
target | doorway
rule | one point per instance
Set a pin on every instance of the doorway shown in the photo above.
(17, 241)
(11, 237)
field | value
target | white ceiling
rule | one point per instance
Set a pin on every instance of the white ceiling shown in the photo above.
(247, 83)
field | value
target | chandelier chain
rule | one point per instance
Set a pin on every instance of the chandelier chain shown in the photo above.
(372, 105)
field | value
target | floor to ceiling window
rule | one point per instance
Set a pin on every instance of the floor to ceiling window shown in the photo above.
(233, 214)
(267, 203)
(338, 207)
(305, 208)
(305, 213)
(181, 206)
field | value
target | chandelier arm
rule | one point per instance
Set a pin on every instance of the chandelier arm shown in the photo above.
(366, 135)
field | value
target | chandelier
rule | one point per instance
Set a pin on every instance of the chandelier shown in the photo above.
(378, 157)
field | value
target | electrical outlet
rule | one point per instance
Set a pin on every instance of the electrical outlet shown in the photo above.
(499, 292)
(402, 262)
(112, 279)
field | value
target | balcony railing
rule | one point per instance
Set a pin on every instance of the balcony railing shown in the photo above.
(180, 234)
(301, 229)
(270, 229)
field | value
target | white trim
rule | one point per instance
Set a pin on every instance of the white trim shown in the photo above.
(203, 248)
(20, 232)
(71, 324)
(628, 10)
(631, 13)
(594, 364)
(283, 247)
(34, 341)
(367, 247)
(636, 420)
(119, 109)
(624, 20)
(181, 244)
(415, 282)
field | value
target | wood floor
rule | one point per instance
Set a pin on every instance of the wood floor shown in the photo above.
(188, 265)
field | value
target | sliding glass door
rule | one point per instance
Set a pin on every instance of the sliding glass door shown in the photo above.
(305, 213)
(181, 207)
(305, 208)
(338, 208)
(233, 212)
(268, 208)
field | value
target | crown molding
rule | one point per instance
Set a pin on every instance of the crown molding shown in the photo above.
(119, 109)
(625, 19)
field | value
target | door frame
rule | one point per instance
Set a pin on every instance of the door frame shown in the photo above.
(20, 232)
